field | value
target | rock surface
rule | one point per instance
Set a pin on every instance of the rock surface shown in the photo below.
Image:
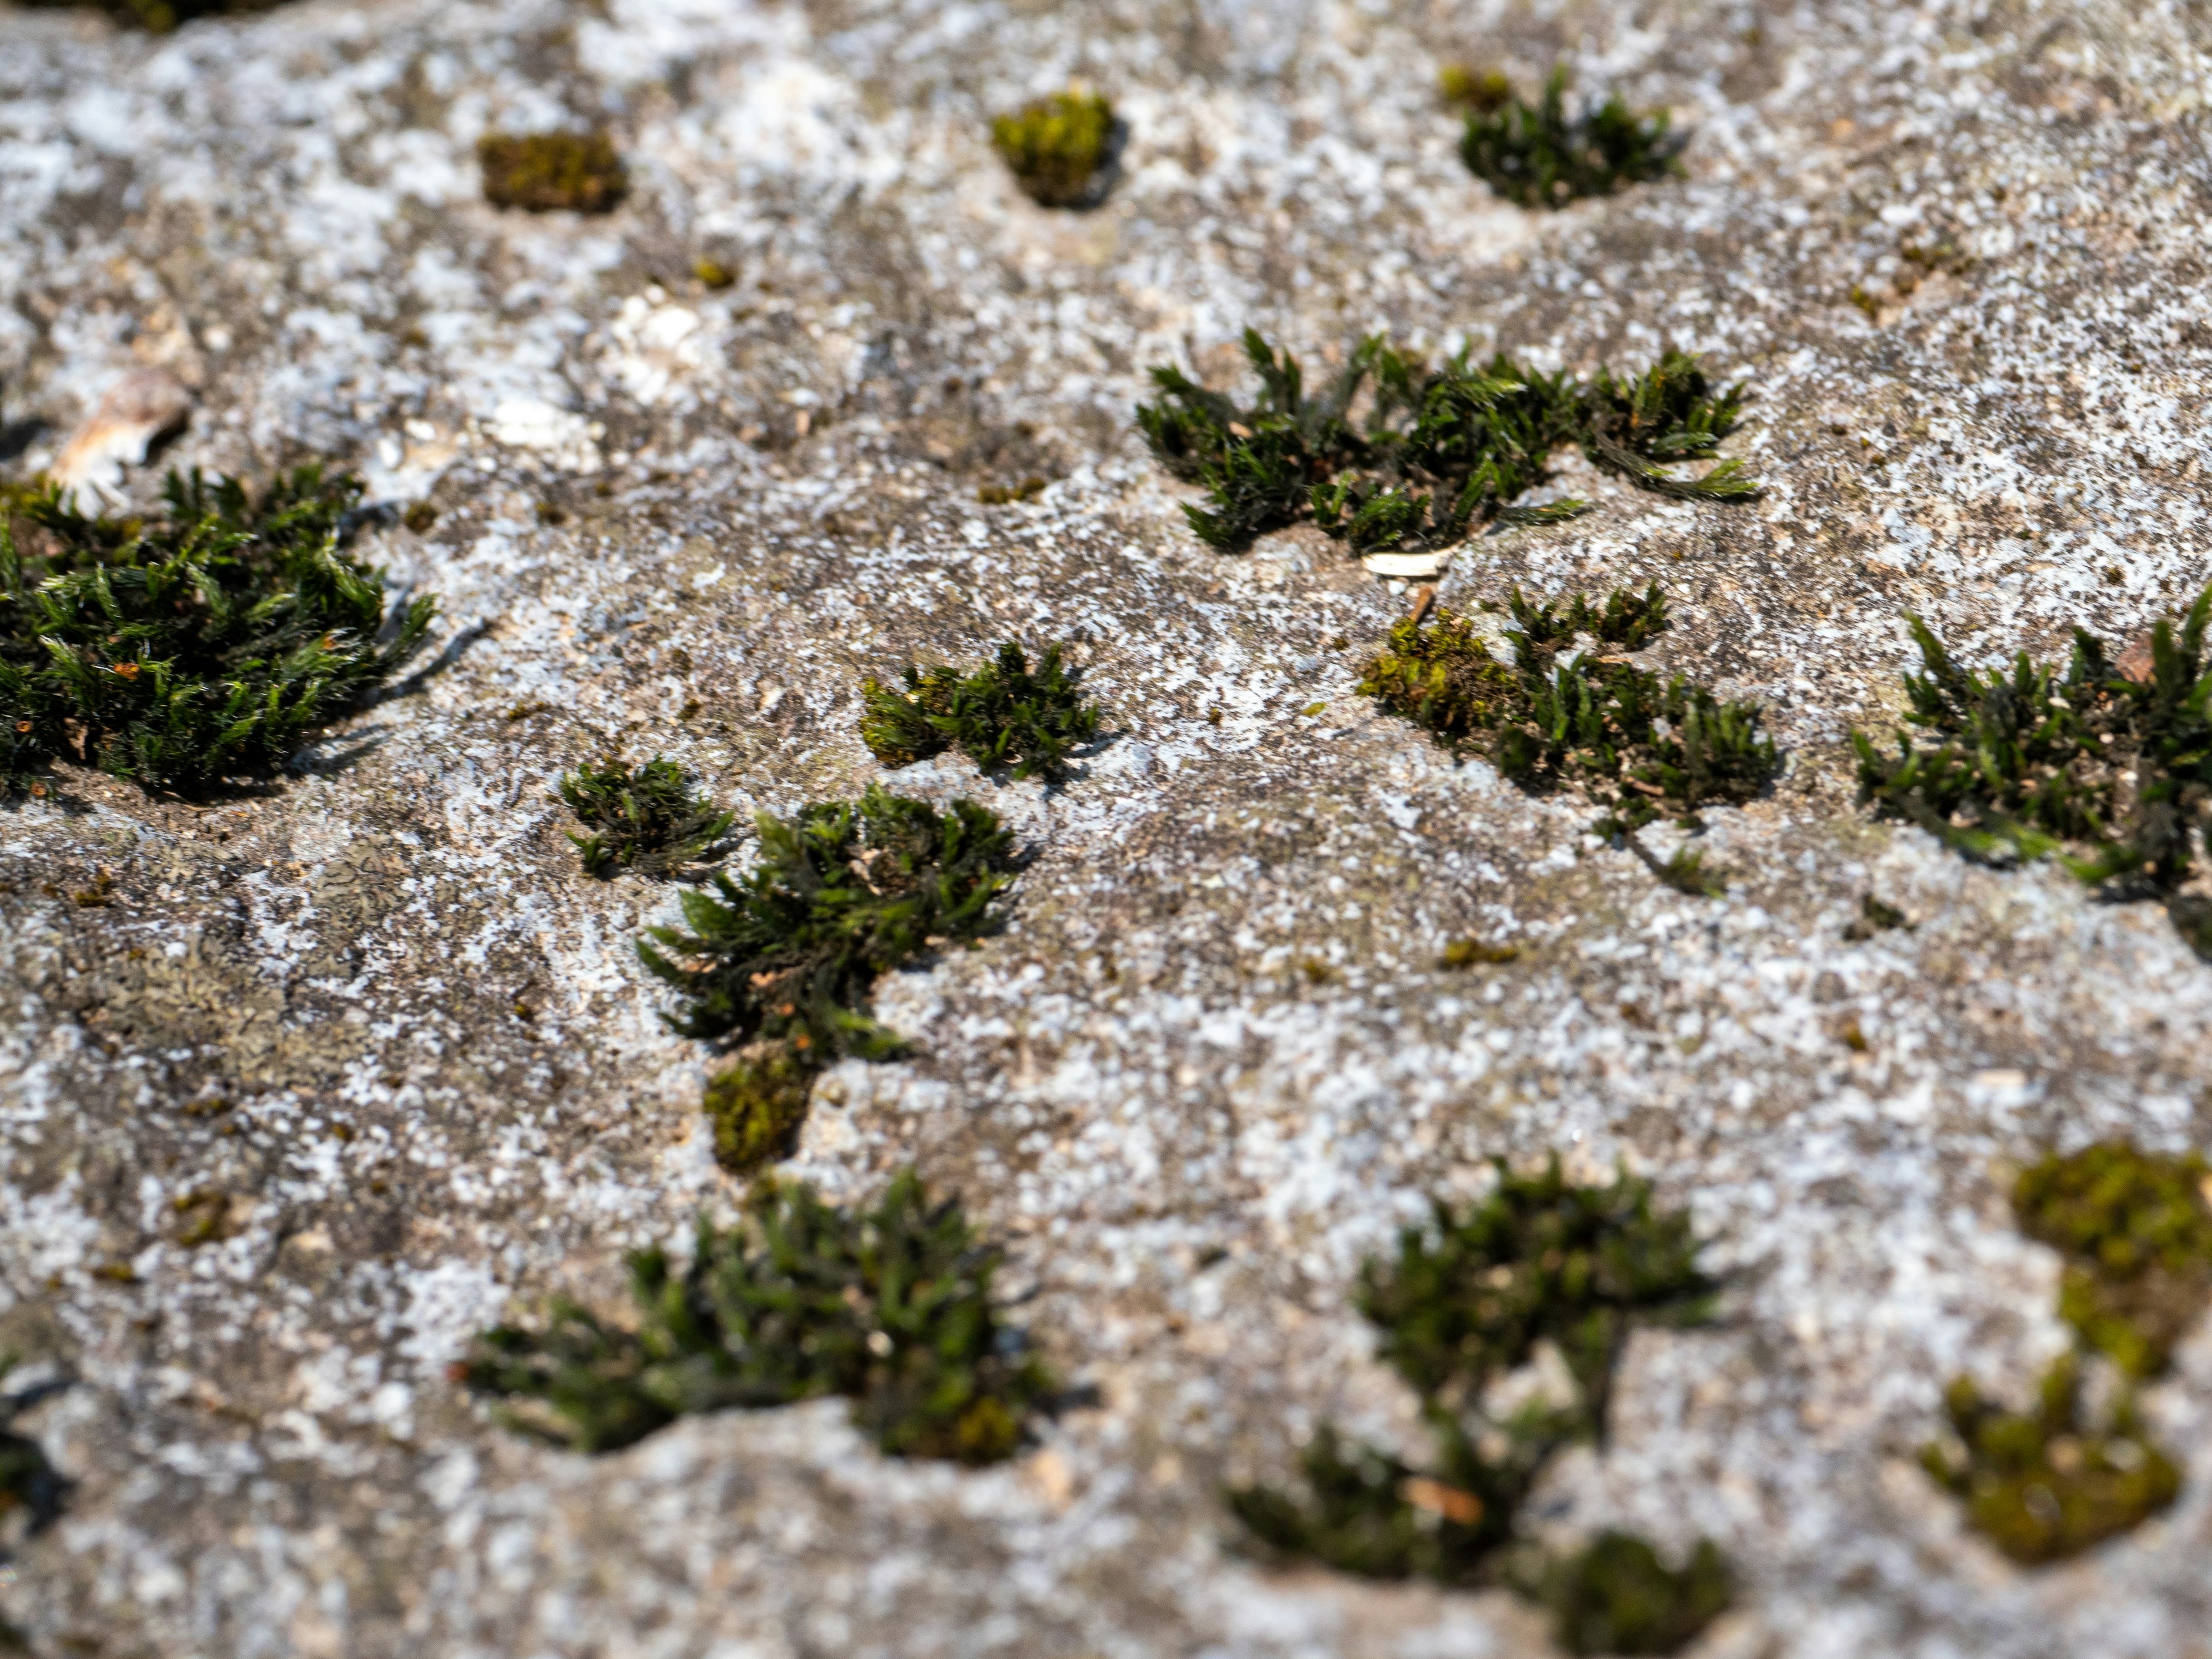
(1211, 1062)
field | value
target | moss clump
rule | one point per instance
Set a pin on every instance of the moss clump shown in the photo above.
(756, 1105)
(1060, 148)
(844, 890)
(1466, 1302)
(552, 172)
(1554, 718)
(159, 16)
(1615, 1595)
(2045, 1485)
(1466, 952)
(2136, 1229)
(1482, 91)
(1540, 156)
(890, 1307)
(1440, 451)
(208, 642)
(1001, 716)
(2109, 763)
(645, 820)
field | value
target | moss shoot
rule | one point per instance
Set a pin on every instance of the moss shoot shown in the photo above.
(890, 1307)
(645, 820)
(2135, 1230)
(209, 642)
(1615, 1595)
(2044, 1484)
(844, 890)
(756, 1105)
(1060, 148)
(1440, 450)
(552, 172)
(1540, 156)
(1002, 715)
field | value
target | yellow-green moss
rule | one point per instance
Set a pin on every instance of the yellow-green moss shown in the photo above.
(756, 1105)
(1058, 147)
(1484, 91)
(550, 172)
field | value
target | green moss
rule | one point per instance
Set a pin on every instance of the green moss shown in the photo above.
(1060, 147)
(1615, 1595)
(1539, 155)
(552, 172)
(1639, 742)
(1440, 451)
(2108, 763)
(209, 642)
(756, 1105)
(646, 822)
(1002, 715)
(1467, 1300)
(890, 1307)
(30, 1485)
(2045, 1485)
(159, 16)
(1483, 91)
(844, 892)
(2136, 1229)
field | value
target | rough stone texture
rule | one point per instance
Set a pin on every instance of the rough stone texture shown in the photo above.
(451, 1093)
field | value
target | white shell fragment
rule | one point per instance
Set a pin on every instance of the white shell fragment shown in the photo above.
(136, 410)
(1407, 564)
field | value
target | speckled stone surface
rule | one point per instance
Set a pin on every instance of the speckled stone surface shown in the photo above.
(1210, 1062)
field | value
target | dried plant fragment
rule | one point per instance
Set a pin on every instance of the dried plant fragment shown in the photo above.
(143, 405)
(2045, 1485)
(646, 822)
(844, 892)
(1615, 1595)
(890, 1307)
(1060, 148)
(552, 172)
(1002, 715)
(211, 641)
(1540, 156)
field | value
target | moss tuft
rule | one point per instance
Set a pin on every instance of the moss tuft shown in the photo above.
(890, 1307)
(845, 891)
(1466, 952)
(1615, 1595)
(552, 172)
(1482, 91)
(2136, 1229)
(1002, 715)
(646, 822)
(756, 1105)
(1060, 149)
(1540, 156)
(159, 16)
(210, 642)
(2045, 1485)
(1441, 451)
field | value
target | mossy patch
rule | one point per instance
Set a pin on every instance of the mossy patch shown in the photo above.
(756, 1104)
(1439, 450)
(1002, 715)
(1467, 1300)
(1060, 149)
(159, 16)
(2108, 763)
(2136, 1229)
(1616, 1595)
(1540, 156)
(208, 642)
(1483, 91)
(890, 1307)
(645, 820)
(552, 172)
(2046, 1484)
(1559, 715)
(844, 890)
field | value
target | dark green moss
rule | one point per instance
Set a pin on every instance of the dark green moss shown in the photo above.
(2045, 1485)
(1615, 1595)
(890, 1307)
(1002, 715)
(646, 822)
(552, 172)
(2108, 764)
(1642, 745)
(1441, 451)
(756, 1105)
(209, 642)
(844, 890)
(1875, 917)
(2136, 1229)
(159, 16)
(30, 1485)
(1060, 148)
(1540, 156)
